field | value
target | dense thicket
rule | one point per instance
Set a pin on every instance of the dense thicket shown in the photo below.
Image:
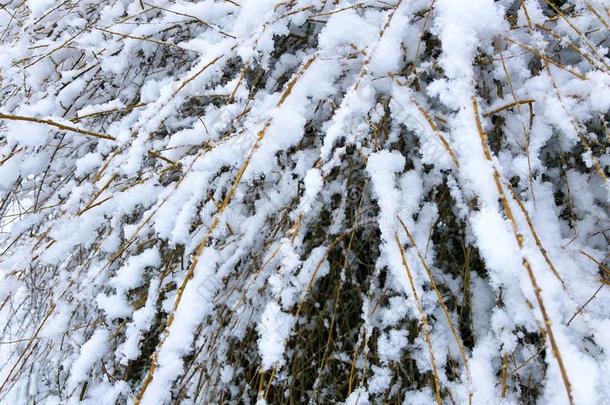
(232, 201)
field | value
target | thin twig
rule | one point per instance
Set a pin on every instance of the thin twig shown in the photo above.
(57, 125)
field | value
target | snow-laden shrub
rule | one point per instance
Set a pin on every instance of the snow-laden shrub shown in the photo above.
(232, 201)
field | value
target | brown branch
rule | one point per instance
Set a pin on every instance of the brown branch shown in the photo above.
(509, 105)
(57, 125)
(546, 58)
(193, 17)
(423, 320)
(524, 261)
(139, 38)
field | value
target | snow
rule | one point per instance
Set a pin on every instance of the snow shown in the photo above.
(290, 187)
(274, 329)
(142, 320)
(359, 397)
(90, 353)
(38, 7)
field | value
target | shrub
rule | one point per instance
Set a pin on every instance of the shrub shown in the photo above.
(240, 201)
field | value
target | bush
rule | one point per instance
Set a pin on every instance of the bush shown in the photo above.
(240, 201)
